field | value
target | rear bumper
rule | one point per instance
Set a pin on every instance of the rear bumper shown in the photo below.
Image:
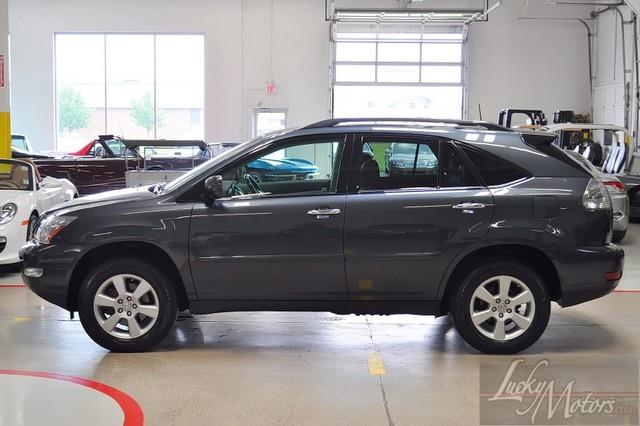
(587, 273)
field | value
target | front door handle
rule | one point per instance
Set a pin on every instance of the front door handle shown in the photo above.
(468, 208)
(323, 213)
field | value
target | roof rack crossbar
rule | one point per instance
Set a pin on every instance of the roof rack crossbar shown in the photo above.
(462, 123)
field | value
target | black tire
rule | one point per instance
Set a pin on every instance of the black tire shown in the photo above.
(461, 298)
(32, 221)
(167, 305)
(618, 236)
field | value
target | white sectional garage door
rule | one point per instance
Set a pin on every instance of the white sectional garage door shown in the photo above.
(398, 70)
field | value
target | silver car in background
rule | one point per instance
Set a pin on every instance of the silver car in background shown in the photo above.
(618, 194)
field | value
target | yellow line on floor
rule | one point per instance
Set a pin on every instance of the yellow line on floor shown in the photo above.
(376, 364)
(22, 319)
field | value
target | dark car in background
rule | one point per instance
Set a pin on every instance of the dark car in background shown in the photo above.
(502, 225)
(400, 158)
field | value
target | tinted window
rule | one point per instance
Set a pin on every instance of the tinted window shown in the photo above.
(453, 170)
(390, 164)
(493, 169)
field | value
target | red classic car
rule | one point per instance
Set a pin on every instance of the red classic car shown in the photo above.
(101, 164)
(102, 167)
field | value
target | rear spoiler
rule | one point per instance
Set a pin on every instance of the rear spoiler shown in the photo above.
(536, 139)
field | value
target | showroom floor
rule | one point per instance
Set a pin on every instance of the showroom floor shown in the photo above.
(277, 368)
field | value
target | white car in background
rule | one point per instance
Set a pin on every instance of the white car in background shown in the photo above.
(24, 195)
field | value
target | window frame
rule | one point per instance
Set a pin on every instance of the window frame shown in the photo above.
(360, 139)
(193, 194)
(105, 34)
(461, 146)
(381, 38)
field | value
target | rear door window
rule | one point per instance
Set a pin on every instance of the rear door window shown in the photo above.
(391, 163)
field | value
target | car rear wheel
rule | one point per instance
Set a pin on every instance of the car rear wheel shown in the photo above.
(618, 236)
(501, 307)
(127, 305)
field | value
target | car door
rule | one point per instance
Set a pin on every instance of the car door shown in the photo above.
(282, 244)
(408, 220)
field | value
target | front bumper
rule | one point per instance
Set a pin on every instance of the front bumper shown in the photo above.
(56, 265)
(587, 273)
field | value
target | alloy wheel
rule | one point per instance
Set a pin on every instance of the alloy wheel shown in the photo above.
(126, 306)
(502, 308)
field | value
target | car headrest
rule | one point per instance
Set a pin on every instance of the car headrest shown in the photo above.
(369, 173)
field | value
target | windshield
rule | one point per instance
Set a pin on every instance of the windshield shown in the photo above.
(15, 175)
(19, 142)
(204, 166)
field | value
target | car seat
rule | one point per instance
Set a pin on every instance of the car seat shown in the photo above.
(611, 157)
(619, 161)
(369, 173)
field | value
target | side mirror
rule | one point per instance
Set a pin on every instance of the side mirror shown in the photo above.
(213, 188)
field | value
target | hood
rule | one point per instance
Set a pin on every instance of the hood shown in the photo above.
(14, 195)
(105, 198)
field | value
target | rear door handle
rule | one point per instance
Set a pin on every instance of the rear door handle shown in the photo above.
(468, 208)
(323, 213)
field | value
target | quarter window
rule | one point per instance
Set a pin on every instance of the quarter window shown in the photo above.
(494, 170)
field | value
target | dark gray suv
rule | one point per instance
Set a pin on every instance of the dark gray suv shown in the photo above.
(503, 224)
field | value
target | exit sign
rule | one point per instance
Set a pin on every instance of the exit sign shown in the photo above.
(270, 88)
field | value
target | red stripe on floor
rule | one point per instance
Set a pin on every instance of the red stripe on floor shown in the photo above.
(133, 415)
(626, 291)
(12, 285)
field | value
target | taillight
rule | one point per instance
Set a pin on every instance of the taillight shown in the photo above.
(596, 196)
(614, 186)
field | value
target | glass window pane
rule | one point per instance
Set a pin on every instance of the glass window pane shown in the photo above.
(441, 74)
(305, 167)
(130, 97)
(180, 86)
(441, 52)
(355, 73)
(398, 73)
(80, 102)
(391, 164)
(399, 52)
(360, 52)
(269, 121)
(398, 101)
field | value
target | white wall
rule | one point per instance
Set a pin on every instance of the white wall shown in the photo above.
(236, 70)
(520, 63)
(512, 63)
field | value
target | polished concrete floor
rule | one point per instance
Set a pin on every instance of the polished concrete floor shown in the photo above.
(283, 368)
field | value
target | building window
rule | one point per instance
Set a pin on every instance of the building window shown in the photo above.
(398, 71)
(130, 85)
(267, 120)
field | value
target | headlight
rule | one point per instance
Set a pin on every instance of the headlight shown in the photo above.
(8, 212)
(397, 163)
(50, 227)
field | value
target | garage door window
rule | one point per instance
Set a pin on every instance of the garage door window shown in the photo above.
(398, 71)
(147, 86)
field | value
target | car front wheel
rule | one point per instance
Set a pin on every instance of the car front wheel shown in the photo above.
(127, 305)
(501, 307)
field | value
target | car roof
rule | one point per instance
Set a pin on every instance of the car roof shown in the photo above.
(463, 130)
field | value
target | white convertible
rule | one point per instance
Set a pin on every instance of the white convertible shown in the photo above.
(24, 195)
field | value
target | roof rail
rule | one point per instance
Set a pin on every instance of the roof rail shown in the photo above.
(462, 123)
